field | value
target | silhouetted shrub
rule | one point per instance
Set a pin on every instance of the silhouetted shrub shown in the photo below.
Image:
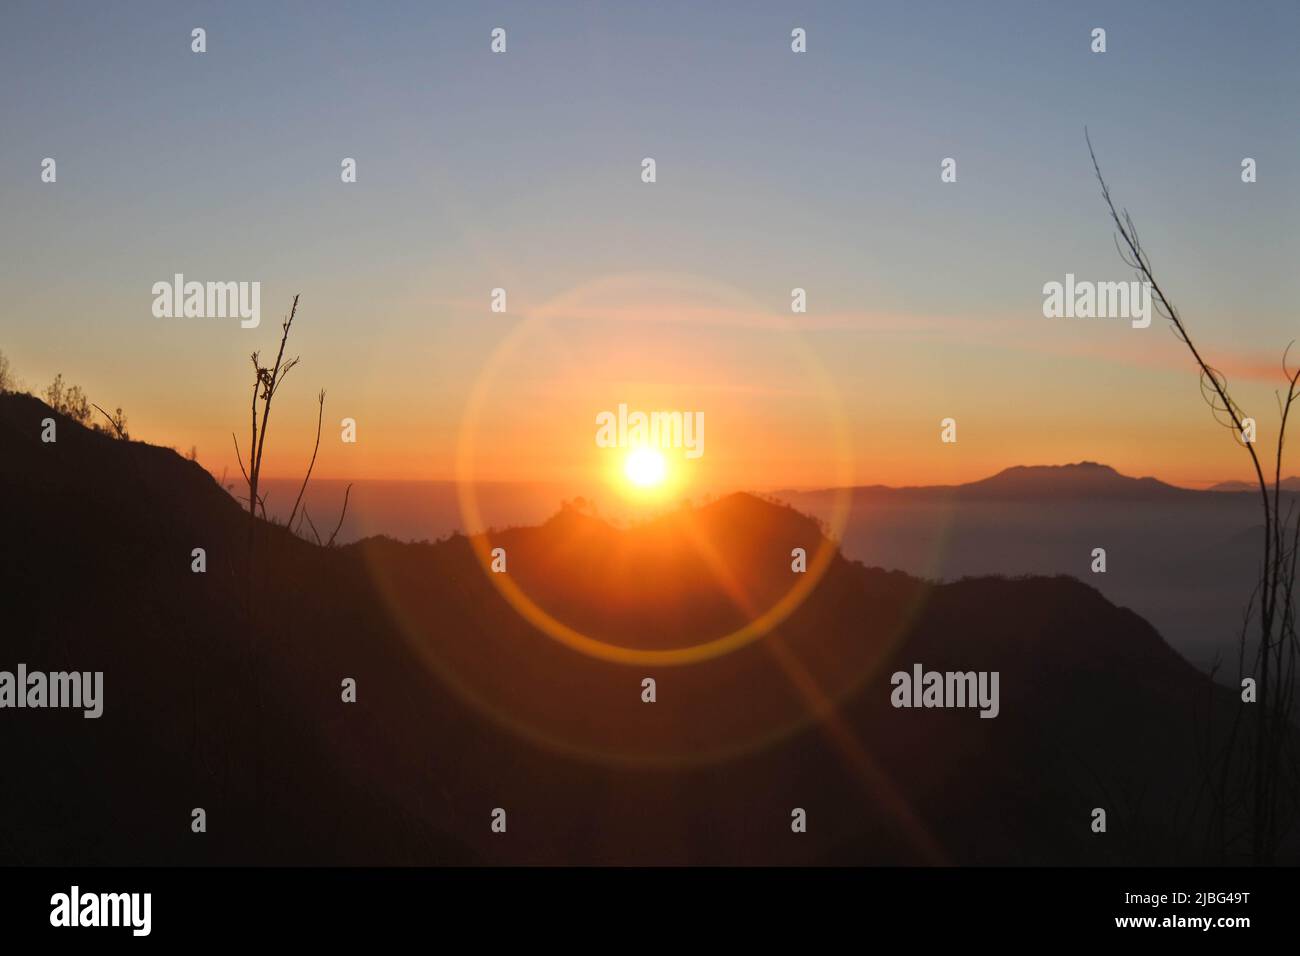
(68, 400)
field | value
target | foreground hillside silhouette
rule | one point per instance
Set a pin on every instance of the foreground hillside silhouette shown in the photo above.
(1186, 560)
(463, 707)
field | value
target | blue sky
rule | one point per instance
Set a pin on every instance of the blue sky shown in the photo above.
(775, 170)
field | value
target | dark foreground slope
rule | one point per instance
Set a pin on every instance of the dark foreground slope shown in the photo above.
(225, 695)
(1186, 560)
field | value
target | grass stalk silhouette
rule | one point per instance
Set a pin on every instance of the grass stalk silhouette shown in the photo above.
(1274, 770)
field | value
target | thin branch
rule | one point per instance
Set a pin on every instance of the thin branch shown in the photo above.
(1275, 658)
(251, 475)
(342, 513)
(270, 378)
(320, 417)
(1137, 259)
(111, 420)
(312, 524)
(238, 458)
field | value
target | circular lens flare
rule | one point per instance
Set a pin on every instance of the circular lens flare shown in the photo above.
(645, 467)
(511, 348)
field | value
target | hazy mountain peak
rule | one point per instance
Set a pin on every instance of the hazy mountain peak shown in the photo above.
(1288, 484)
(1090, 469)
(1079, 479)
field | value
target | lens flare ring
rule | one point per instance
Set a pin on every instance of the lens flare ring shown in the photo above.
(584, 643)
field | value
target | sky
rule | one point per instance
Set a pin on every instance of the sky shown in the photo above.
(775, 170)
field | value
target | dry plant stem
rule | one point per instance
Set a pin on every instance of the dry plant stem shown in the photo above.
(111, 420)
(342, 515)
(1277, 653)
(320, 417)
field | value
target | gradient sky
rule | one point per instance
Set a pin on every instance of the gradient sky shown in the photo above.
(775, 170)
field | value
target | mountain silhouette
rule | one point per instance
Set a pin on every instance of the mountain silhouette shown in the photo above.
(1286, 484)
(1086, 479)
(222, 691)
(1081, 480)
(1185, 559)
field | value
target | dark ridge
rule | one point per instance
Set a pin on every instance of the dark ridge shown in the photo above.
(464, 706)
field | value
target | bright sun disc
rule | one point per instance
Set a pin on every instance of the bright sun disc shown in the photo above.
(645, 467)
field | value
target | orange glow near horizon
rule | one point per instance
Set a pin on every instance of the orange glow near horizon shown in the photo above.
(788, 405)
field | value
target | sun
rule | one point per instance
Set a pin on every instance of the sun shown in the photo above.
(645, 467)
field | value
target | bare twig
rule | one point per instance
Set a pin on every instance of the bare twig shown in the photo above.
(320, 417)
(239, 458)
(312, 524)
(1276, 656)
(116, 423)
(346, 493)
(268, 379)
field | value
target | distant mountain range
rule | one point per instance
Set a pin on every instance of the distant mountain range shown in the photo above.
(1185, 559)
(222, 690)
(1287, 484)
(429, 510)
(1081, 480)
(1086, 479)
